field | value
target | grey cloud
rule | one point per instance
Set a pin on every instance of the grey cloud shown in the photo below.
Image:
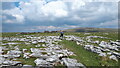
(90, 15)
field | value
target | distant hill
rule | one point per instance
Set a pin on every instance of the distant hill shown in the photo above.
(92, 30)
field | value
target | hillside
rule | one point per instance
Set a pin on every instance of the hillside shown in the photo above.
(92, 30)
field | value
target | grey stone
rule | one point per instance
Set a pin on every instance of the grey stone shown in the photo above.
(103, 54)
(70, 63)
(41, 62)
(113, 57)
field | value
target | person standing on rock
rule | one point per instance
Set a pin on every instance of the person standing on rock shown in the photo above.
(61, 34)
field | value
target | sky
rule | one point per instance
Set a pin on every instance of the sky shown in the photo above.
(50, 15)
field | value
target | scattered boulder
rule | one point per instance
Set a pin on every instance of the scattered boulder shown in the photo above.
(113, 57)
(72, 63)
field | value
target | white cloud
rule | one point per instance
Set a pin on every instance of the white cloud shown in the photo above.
(50, 28)
(93, 0)
(19, 18)
(42, 11)
(71, 26)
(47, 28)
(15, 12)
(64, 0)
(76, 12)
(85, 19)
(9, 21)
(113, 23)
(77, 4)
(55, 8)
(37, 11)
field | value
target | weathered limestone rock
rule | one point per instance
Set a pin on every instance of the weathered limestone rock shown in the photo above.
(52, 52)
(26, 55)
(103, 54)
(41, 62)
(72, 63)
(8, 62)
(14, 52)
(51, 60)
(2, 59)
(27, 66)
(35, 55)
(113, 57)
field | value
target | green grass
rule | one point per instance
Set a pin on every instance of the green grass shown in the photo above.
(113, 36)
(29, 61)
(86, 57)
(36, 34)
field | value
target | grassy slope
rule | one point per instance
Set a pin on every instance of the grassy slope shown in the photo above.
(86, 57)
(36, 34)
(83, 56)
(92, 30)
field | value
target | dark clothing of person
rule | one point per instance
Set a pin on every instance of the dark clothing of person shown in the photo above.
(61, 34)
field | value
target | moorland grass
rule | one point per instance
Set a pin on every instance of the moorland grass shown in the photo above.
(86, 57)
